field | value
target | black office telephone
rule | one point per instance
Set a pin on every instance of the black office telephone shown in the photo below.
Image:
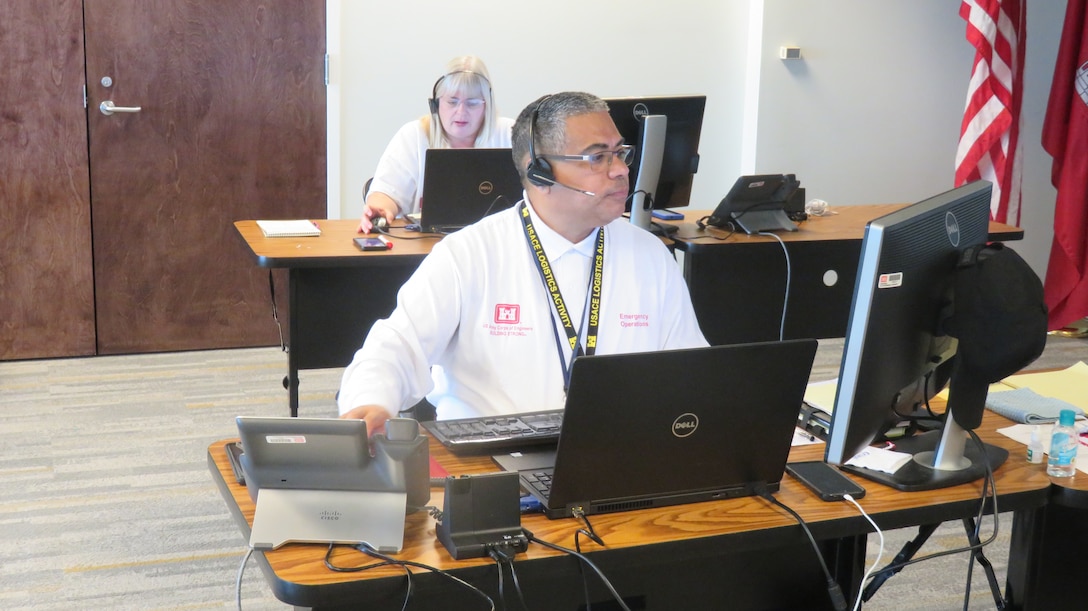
(757, 203)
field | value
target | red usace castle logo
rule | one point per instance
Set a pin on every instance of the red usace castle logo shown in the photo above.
(507, 314)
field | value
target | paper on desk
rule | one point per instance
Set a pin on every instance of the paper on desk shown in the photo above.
(879, 459)
(1022, 433)
(995, 387)
(821, 395)
(1069, 384)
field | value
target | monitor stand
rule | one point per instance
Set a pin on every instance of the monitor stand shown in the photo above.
(755, 221)
(329, 516)
(919, 474)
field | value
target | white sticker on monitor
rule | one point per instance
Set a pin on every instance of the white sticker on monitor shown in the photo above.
(890, 281)
(285, 439)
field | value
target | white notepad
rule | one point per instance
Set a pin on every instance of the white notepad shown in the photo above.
(288, 229)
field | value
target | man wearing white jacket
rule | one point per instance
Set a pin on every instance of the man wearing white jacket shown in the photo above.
(493, 318)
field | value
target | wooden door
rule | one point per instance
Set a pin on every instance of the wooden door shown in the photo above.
(46, 281)
(231, 126)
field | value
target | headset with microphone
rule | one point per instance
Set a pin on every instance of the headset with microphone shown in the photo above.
(539, 171)
(433, 100)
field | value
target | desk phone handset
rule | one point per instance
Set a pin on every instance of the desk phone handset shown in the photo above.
(398, 461)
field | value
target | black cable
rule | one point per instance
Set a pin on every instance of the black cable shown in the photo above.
(987, 483)
(703, 223)
(608, 584)
(405, 564)
(592, 535)
(395, 236)
(838, 599)
(276, 312)
(499, 555)
(992, 485)
(386, 562)
(517, 585)
(588, 530)
(502, 580)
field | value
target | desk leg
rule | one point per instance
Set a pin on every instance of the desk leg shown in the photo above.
(845, 559)
(332, 310)
(1045, 566)
(291, 381)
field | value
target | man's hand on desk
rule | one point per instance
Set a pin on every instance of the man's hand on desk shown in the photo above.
(375, 416)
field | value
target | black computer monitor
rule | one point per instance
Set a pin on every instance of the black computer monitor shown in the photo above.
(896, 355)
(678, 154)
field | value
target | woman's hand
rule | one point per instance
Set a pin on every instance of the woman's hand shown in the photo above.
(377, 205)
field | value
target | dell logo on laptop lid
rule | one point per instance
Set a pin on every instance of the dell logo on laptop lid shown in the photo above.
(685, 425)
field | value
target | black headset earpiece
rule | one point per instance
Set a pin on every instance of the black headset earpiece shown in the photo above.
(433, 100)
(539, 171)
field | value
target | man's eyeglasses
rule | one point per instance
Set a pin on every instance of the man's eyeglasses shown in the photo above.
(470, 103)
(600, 160)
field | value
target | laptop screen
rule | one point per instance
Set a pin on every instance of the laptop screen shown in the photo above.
(462, 186)
(678, 426)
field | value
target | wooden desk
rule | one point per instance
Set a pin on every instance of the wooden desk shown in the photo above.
(737, 284)
(738, 553)
(335, 291)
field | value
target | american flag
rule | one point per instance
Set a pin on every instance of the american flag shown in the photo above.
(990, 133)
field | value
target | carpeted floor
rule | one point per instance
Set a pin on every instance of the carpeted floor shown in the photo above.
(106, 501)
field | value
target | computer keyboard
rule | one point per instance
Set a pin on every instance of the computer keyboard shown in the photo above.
(491, 434)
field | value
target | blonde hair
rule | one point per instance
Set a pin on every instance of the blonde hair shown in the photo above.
(469, 75)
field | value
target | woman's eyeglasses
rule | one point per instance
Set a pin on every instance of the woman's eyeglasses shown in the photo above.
(470, 103)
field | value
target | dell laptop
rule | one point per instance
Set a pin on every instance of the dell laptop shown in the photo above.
(462, 186)
(678, 426)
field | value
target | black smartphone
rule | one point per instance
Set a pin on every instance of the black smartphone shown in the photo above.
(825, 480)
(371, 244)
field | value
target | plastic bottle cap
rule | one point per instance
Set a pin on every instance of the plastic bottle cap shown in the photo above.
(1066, 417)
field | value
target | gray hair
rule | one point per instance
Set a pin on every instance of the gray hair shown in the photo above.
(545, 121)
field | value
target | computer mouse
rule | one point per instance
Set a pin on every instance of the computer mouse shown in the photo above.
(378, 224)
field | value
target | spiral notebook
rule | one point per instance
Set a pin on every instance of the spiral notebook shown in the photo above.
(288, 229)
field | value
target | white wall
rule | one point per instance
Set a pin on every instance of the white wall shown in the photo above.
(872, 112)
(391, 53)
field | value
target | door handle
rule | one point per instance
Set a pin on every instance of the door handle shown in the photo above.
(107, 107)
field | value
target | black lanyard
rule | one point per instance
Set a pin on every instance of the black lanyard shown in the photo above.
(593, 291)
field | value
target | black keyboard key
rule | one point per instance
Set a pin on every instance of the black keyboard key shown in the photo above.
(490, 434)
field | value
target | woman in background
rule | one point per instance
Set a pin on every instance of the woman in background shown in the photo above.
(463, 115)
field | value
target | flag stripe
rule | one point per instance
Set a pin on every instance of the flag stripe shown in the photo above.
(990, 132)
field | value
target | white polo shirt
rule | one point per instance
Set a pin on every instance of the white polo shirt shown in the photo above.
(478, 311)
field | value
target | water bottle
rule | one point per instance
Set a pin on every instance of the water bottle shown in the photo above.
(1035, 447)
(1063, 446)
